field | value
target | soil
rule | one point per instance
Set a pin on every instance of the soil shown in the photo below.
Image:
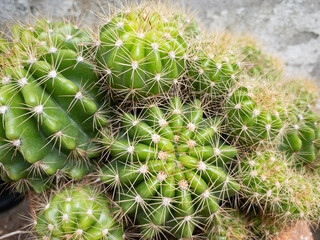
(14, 219)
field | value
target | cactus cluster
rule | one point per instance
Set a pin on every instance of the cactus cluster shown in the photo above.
(185, 134)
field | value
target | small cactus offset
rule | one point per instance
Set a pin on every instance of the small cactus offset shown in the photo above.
(168, 168)
(257, 62)
(141, 52)
(49, 104)
(269, 183)
(213, 67)
(76, 212)
(229, 224)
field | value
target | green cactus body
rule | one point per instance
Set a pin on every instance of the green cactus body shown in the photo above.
(271, 184)
(212, 73)
(250, 121)
(50, 36)
(49, 106)
(77, 212)
(141, 53)
(169, 168)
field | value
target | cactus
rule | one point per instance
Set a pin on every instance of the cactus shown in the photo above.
(213, 67)
(169, 169)
(264, 226)
(254, 113)
(49, 105)
(301, 139)
(76, 212)
(301, 142)
(140, 52)
(271, 184)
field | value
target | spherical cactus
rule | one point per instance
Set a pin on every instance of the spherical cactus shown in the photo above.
(271, 185)
(301, 141)
(141, 53)
(213, 68)
(254, 113)
(49, 105)
(76, 212)
(169, 168)
(53, 35)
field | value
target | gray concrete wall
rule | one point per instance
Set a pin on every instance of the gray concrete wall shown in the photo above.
(288, 28)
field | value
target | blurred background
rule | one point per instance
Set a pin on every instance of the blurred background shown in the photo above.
(289, 29)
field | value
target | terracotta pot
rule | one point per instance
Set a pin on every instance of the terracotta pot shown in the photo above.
(300, 231)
